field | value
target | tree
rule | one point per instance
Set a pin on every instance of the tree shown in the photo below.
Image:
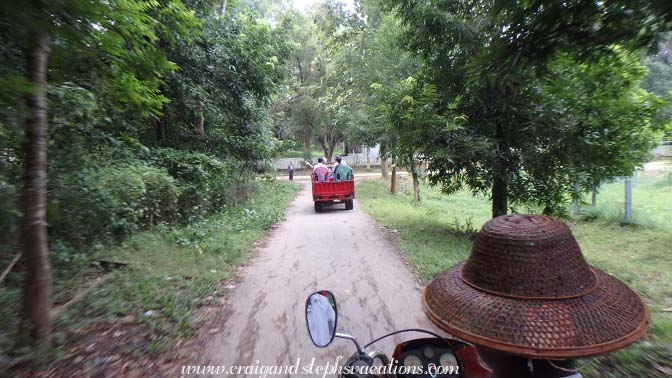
(595, 123)
(366, 58)
(659, 79)
(410, 106)
(485, 58)
(319, 103)
(117, 35)
(228, 74)
(300, 102)
(37, 294)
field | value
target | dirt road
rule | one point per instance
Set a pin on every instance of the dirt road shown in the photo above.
(375, 291)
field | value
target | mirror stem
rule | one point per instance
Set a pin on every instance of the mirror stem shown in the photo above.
(350, 337)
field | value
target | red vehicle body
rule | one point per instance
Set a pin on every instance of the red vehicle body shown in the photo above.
(325, 193)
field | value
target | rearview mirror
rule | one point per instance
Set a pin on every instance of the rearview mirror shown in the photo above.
(321, 317)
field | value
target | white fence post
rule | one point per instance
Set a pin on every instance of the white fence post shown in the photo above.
(628, 202)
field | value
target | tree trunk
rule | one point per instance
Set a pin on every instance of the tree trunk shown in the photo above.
(200, 124)
(222, 8)
(325, 148)
(36, 323)
(500, 203)
(383, 161)
(332, 148)
(307, 140)
(499, 197)
(593, 200)
(393, 177)
(576, 206)
(425, 168)
(368, 157)
(416, 182)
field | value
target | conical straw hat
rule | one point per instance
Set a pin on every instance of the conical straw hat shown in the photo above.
(527, 290)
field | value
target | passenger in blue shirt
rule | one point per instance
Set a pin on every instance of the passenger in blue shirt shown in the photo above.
(342, 171)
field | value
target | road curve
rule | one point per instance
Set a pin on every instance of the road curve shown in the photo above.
(338, 250)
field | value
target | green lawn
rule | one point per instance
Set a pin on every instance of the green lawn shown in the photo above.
(170, 274)
(438, 233)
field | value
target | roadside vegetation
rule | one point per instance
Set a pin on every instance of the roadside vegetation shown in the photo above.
(171, 274)
(438, 232)
(137, 131)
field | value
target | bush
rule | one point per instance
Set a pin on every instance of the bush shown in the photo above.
(113, 201)
(135, 195)
(207, 183)
(91, 203)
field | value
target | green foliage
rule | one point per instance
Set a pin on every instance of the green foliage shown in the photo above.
(411, 107)
(115, 68)
(206, 182)
(496, 67)
(538, 29)
(219, 95)
(322, 104)
(113, 201)
(297, 112)
(590, 123)
(659, 80)
(376, 65)
(157, 115)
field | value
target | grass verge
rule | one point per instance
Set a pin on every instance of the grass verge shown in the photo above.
(438, 232)
(171, 273)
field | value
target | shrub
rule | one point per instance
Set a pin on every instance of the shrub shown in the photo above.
(135, 195)
(93, 204)
(205, 180)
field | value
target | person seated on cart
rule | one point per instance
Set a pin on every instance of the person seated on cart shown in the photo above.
(342, 171)
(320, 170)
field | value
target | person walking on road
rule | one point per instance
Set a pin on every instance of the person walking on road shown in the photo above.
(290, 169)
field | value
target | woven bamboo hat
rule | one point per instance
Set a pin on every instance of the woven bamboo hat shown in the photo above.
(527, 290)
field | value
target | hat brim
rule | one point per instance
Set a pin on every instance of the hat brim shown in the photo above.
(608, 318)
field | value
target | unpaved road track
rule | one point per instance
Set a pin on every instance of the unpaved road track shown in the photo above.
(338, 250)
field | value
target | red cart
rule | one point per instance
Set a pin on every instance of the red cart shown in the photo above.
(325, 193)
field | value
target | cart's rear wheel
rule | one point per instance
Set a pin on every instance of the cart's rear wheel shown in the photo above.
(318, 206)
(349, 205)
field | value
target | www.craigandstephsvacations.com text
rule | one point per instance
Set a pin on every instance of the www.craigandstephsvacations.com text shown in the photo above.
(316, 369)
